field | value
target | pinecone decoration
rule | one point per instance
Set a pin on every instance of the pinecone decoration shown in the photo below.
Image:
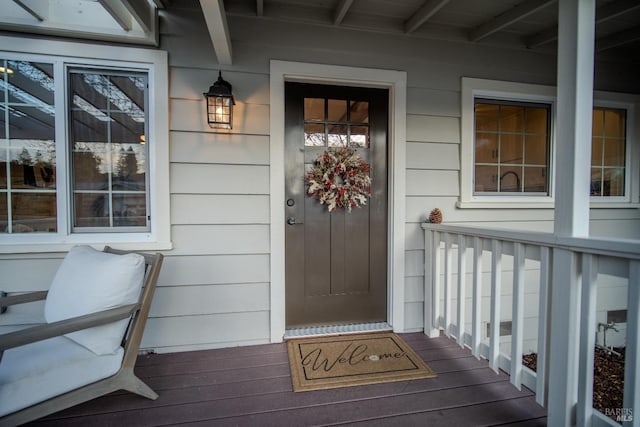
(435, 217)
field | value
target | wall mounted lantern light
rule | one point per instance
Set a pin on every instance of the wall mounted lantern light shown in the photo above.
(220, 104)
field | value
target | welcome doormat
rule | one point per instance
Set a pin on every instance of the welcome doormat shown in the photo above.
(350, 360)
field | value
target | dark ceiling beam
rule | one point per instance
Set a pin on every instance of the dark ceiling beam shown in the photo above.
(341, 11)
(618, 39)
(603, 13)
(507, 18)
(422, 15)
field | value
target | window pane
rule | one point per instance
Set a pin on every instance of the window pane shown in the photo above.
(32, 165)
(486, 147)
(360, 136)
(614, 152)
(129, 161)
(613, 182)
(511, 119)
(511, 179)
(129, 210)
(337, 136)
(33, 212)
(314, 109)
(607, 182)
(91, 210)
(598, 122)
(486, 178)
(596, 181)
(314, 135)
(536, 120)
(109, 148)
(4, 213)
(90, 167)
(614, 123)
(359, 111)
(3, 168)
(337, 110)
(511, 149)
(535, 150)
(487, 117)
(535, 180)
(597, 145)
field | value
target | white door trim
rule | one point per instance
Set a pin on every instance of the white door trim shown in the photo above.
(396, 82)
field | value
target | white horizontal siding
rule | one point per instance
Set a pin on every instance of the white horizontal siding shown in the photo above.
(435, 156)
(219, 148)
(414, 289)
(433, 129)
(219, 209)
(207, 331)
(24, 275)
(433, 102)
(219, 179)
(422, 182)
(220, 239)
(171, 301)
(214, 269)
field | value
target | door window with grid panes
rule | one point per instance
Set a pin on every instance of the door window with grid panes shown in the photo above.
(336, 123)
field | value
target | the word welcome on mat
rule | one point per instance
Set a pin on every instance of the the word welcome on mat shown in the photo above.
(349, 360)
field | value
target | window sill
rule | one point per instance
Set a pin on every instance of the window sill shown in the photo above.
(546, 204)
(504, 204)
(32, 248)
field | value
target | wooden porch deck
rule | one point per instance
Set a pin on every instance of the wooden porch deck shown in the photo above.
(252, 386)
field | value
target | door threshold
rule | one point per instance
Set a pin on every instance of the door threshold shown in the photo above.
(328, 330)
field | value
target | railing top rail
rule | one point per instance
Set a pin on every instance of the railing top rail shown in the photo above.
(619, 248)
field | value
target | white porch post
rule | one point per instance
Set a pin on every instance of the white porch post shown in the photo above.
(576, 29)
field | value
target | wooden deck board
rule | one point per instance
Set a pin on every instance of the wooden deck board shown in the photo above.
(252, 386)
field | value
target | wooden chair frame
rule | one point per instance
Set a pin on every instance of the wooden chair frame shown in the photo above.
(124, 379)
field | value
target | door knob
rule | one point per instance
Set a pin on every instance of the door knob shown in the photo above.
(292, 221)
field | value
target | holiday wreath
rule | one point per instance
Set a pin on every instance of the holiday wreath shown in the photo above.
(339, 178)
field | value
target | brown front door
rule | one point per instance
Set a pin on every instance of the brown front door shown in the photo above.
(336, 262)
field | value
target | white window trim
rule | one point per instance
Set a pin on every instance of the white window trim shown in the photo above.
(520, 92)
(155, 63)
(508, 91)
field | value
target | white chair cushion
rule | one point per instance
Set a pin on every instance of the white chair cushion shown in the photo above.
(36, 372)
(89, 281)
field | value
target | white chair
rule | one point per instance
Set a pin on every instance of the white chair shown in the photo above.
(96, 309)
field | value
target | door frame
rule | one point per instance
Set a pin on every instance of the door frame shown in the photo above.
(396, 82)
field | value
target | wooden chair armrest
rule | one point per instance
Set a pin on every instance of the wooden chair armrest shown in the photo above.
(55, 329)
(23, 298)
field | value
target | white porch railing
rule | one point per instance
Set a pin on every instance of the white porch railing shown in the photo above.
(445, 244)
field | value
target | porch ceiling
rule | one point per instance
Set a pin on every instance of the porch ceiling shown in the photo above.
(524, 24)
(519, 24)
